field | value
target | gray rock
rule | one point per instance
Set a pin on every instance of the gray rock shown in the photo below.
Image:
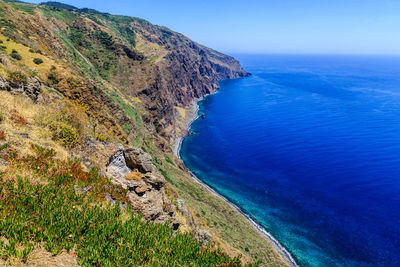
(3, 84)
(31, 89)
(3, 163)
(116, 169)
(136, 158)
(182, 207)
(204, 236)
(84, 190)
(155, 179)
(146, 195)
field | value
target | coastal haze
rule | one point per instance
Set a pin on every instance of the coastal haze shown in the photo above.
(309, 146)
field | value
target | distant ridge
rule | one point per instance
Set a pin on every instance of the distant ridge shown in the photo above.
(70, 7)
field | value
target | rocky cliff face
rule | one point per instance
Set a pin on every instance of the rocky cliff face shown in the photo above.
(186, 72)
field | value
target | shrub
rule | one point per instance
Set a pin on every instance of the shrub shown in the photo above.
(1, 41)
(2, 117)
(100, 137)
(53, 68)
(17, 118)
(3, 136)
(65, 133)
(52, 77)
(3, 47)
(37, 61)
(15, 55)
(17, 78)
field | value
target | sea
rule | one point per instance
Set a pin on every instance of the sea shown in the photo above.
(309, 148)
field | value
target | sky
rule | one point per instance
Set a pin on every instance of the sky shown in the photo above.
(272, 26)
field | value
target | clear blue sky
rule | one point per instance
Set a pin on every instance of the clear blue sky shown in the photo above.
(272, 26)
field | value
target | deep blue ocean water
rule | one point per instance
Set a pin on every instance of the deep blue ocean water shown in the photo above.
(309, 146)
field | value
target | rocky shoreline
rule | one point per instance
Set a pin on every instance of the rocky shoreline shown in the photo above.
(176, 148)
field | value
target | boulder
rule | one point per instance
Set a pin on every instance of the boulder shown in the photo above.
(155, 179)
(134, 170)
(31, 88)
(137, 159)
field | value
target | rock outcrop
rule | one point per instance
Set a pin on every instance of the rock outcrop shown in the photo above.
(31, 88)
(132, 168)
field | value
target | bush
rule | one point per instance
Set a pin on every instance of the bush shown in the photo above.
(38, 51)
(53, 77)
(37, 61)
(17, 78)
(1, 41)
(17, 118)
(65, 133)
(3, 136)
(2, 117)
(101, 138)
(15, 55)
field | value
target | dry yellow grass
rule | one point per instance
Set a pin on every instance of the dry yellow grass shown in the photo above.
(27, 59)
(182, 112)
(155, 52)
(24, 135)
(136, 99)
(41, 258)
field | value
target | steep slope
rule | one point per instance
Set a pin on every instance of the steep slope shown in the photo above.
(99, 85)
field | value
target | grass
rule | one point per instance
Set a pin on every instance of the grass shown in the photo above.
(27, 8)
(58, 218)
(60, 14)
(130, 111)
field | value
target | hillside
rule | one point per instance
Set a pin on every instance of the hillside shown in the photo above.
(91, 104)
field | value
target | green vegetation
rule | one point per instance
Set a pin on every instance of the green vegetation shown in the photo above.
(7, 24)
(15, 55)
(27, 8)
(37, 61)
(55, 216)
(97, 46)
(17, 78)
(61, 14)
(65, 133)
(52, 77)
(128, 109)
(38, 51)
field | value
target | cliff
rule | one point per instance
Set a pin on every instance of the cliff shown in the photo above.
(111, 92)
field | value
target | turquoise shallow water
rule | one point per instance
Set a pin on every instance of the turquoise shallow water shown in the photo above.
(309, 146)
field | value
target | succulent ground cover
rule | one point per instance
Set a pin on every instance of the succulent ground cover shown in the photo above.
(55, 214)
